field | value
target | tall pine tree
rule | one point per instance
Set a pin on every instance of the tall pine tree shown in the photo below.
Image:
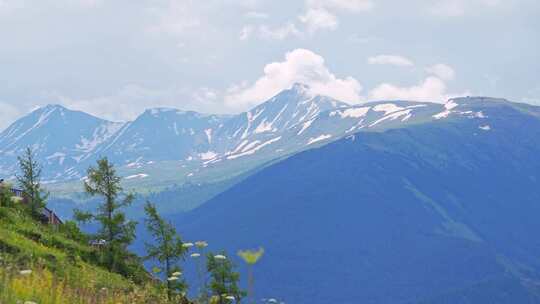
(30, 183)
(115, 229)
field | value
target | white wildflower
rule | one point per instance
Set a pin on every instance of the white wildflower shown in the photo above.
(25, 272)
(220, 257)
(201, 244)
(195, 255)
(176, 274)
(187, 245)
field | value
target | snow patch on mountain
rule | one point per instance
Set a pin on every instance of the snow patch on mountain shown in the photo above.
(485, 127)
(313, 140)
(240, 146)
(264, 126)
(387, 108)
(480, 114)
(140, 175)
(208, 133)
(306, 125)
(393, 116)
(451, 104)
(208, 155)
(254, 149)
(352, 112)
(100, 135)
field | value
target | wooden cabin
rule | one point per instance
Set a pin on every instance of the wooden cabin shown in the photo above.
(48, 216)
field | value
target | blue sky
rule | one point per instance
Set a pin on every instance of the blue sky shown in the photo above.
(115, 58)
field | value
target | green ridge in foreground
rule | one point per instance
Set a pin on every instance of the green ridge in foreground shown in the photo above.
(46, 264)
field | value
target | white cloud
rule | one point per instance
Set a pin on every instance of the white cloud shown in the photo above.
(123, 105)
(322, 14)
(264, 31)
(246, 32)
(391, 60)
(205, 95)
(319, 18)
(256, 15)
(131, 100)
(491, 2)
(8, 113)
(431, 89)
(300, 65)
(174, 18)
(85, 3)
(250, 4)
(448, 8)
(318, 15)
(442, 71)
(7, 6)
(458, 8)
(270, 33)
(347, 5)
(279, 33)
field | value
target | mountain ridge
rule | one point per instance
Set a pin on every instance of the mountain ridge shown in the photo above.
(164, 146)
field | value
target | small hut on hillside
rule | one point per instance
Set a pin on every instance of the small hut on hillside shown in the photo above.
(48, 216)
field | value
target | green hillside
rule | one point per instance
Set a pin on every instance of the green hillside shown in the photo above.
(47, 264)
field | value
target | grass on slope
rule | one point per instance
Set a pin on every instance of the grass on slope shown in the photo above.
(42, 264)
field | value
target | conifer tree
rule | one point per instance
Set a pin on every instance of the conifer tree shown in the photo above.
(116, 230)
(167, 249)
(30, 183)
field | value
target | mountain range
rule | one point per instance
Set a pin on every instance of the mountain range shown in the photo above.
(164, 147)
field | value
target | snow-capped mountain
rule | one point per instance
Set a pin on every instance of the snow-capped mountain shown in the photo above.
(334, 121)
(61, 139)
(188, 145)
(267, 124)
(163, 134)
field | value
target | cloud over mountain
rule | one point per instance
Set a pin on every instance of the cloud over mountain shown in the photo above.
(300, 65)
(396, 60)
